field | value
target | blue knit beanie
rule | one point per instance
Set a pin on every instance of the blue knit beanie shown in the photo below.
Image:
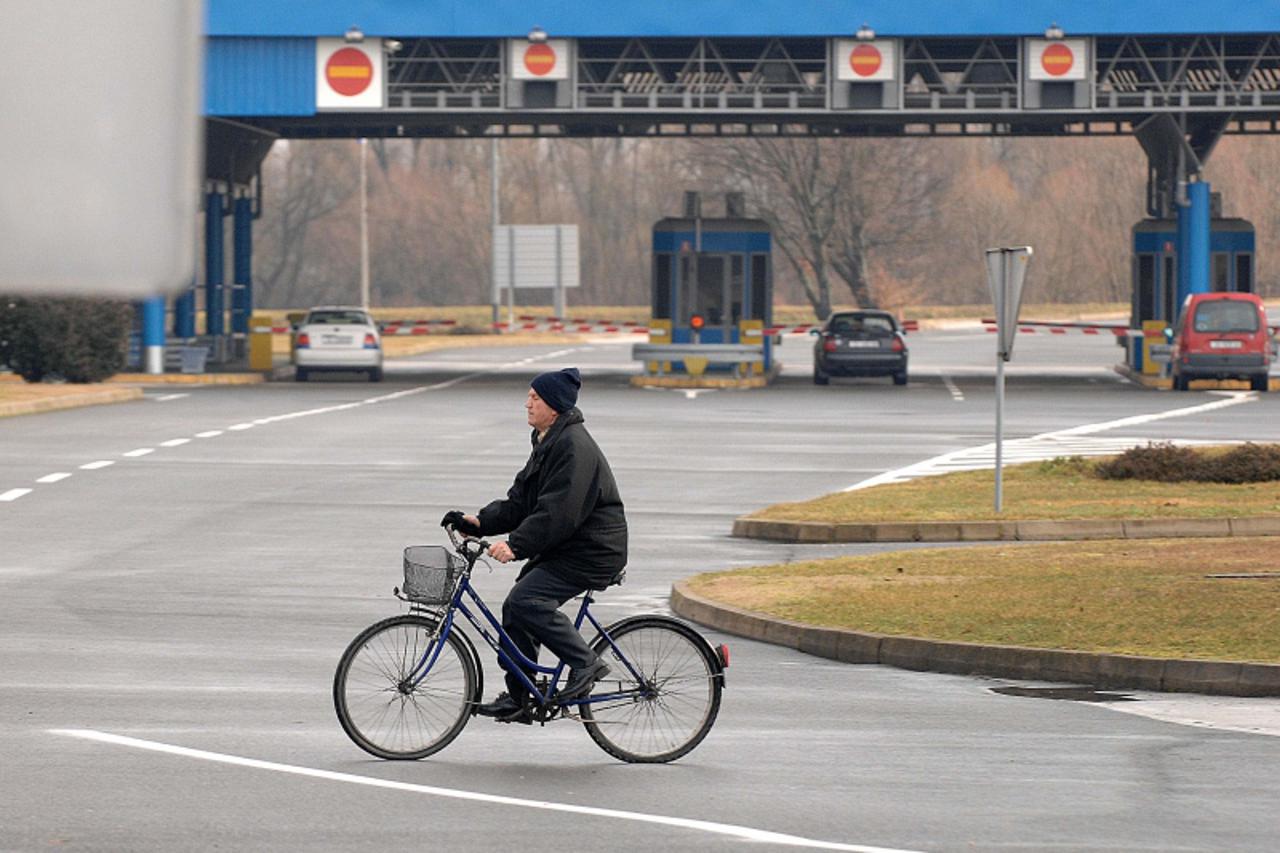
(559, 388)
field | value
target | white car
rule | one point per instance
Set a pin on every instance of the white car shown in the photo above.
(336, 337)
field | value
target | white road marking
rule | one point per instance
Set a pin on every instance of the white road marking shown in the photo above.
(94, 466)
(956, 394)
(141, 451)
(164, 398)
(238, 427)
(1073, 441)
(692, 393)
(1222, 713)
(174, 442)
(744, 833)
(53, 478)
(14, 494)
(211, 433)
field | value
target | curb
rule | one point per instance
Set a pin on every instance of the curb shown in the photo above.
(1171, 675)
(812, 532)
(70, 401)
(187, 378)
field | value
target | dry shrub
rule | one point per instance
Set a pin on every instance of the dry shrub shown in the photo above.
(1167, 463)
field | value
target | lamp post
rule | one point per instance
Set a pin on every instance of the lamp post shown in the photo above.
(364, 225)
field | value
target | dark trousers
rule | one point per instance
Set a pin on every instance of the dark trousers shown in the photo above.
(531, 617)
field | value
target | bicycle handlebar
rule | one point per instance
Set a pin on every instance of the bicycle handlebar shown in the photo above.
(462, 543)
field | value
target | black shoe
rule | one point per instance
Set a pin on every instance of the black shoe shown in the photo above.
(582, 680)
(500, 707)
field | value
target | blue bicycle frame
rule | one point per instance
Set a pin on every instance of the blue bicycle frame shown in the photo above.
(510, 657)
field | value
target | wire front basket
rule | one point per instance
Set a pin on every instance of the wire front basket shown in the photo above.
(430, 573)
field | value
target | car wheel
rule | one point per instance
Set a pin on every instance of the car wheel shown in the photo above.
(375, 374)
(1179, 382)
(300, 374)
(820, 378)
(900, 378)
(1260, 383)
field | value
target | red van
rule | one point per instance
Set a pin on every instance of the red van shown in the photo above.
(1222, 336)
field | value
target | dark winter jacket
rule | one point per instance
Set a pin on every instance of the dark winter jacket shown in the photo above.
(564, 512)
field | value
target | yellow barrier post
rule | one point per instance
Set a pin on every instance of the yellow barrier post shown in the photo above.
(260, 342)
(1152, 333)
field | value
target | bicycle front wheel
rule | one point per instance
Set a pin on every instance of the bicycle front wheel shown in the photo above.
(670, 708)
(382, 710)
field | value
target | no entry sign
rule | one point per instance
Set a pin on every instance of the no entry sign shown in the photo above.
(349, 76)
(1057, 59)
(866, 61)
(542, 60)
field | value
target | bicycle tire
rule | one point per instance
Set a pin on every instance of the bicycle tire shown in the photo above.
(672, 711)
(403, 724)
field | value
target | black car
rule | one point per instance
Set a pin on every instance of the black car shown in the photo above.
(860, 343)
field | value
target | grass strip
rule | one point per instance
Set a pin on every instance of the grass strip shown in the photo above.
(1055, 489)
(1143, 598)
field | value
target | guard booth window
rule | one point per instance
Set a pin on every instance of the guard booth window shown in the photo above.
(1244, 272)
(759, 287)
(736, 286)
(709, 297)
(1221, 267)
(662, 286)
(1145, 292)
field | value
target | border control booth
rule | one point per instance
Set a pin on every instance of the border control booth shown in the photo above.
(1160, 285)
(712, 295)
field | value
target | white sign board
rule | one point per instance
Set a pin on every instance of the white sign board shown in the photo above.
(535, 256)
(1006, 273)
(1057, 59)
(101, 153)
(868, 61)
(350, 76)
(544, 60)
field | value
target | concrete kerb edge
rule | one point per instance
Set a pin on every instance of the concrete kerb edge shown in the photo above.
(746, 527)
(70, 401)
(1223, 678)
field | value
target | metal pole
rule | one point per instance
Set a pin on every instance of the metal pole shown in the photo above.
(511, 278)
(495, 214)
(1000, 329)
(364, 226)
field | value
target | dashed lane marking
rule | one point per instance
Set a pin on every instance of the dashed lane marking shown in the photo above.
(14, 494)
(174, 442)
(141, 451)
(743, 833)
(94, 466)
(209, 433)
(53, 478)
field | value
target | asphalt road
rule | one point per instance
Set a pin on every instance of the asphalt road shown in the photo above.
(169, 622)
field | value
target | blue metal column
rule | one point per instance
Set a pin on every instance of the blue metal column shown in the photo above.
(242, 273)
(153, 335)
(184, 313)
(213, 262)
(1193, 242)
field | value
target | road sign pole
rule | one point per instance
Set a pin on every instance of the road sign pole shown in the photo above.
(1006, 272)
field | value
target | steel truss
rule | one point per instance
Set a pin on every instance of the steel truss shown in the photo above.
(783, 86)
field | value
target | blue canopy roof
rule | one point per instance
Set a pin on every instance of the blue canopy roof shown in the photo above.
(594, 18)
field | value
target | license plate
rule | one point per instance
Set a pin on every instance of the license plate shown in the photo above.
(863, 345)
(1225, 344)
(336, 340)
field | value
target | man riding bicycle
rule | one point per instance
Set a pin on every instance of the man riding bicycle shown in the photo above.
(565, 516)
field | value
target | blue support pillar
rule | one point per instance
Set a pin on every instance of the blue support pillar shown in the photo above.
(184, 313)
(1193, 242)
(242, 273)
(213, 263)
(153, 335)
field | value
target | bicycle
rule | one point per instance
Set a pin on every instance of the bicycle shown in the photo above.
(407, 686)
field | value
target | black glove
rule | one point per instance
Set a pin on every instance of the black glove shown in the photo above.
(458, 521)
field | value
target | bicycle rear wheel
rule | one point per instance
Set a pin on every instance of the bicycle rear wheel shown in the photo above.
(381, 711)
(671, 708)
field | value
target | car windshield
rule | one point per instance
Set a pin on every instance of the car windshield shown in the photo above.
(851, 324)
(337, 318)
(1226, 316)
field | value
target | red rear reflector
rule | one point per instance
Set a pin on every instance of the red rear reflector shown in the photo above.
(304, 340)
(898, 345)
(369, 341)
(723, 651)
(828, 345)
